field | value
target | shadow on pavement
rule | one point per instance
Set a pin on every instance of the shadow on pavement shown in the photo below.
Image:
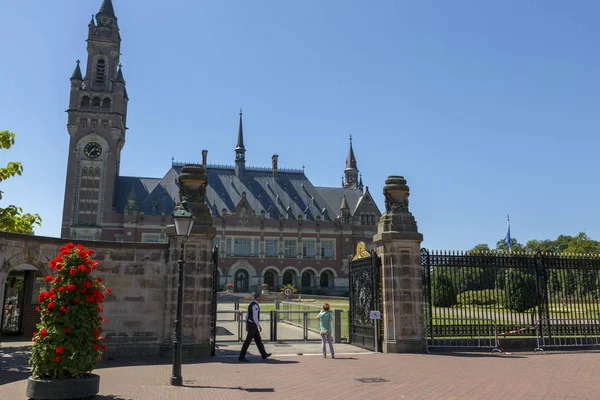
(192, 384)
(14, 364)
(478, 355)
(110, 397)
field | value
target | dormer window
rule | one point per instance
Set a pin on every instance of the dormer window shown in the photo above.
(101, 72)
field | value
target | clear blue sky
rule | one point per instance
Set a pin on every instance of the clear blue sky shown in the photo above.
(486, 109)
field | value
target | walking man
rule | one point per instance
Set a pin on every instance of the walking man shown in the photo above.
(253, 328)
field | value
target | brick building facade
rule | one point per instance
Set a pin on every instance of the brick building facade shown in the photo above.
(273, 225)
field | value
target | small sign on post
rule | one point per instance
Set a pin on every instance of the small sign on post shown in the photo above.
(375, 315)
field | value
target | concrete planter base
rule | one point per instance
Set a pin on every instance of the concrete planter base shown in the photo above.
(53, 389)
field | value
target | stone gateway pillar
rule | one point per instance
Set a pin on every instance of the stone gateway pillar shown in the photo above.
(198, 268)
(398, 244)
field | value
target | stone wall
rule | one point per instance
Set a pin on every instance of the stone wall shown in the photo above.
(143, 279)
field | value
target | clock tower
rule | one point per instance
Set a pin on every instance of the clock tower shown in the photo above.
(96, 124)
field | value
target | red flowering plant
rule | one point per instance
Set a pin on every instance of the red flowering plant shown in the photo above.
(68, 340)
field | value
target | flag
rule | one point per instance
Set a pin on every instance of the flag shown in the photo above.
(508, 232)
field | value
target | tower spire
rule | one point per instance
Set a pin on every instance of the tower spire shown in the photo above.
(351, 160)
(351, 171)
(240, 151)
(77, 73)
(107, 9)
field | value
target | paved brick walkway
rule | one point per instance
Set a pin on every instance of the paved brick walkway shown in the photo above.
(529, 376)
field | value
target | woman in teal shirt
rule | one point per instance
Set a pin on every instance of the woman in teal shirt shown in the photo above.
(325, 317)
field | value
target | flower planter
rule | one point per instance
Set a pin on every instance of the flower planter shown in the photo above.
(52, 389)
(265, 291)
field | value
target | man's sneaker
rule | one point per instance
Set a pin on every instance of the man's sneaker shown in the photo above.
(266, 356)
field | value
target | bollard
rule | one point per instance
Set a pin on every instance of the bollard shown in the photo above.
(337, 329)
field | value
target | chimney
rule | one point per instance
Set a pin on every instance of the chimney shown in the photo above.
(274, 163)
(204, 154)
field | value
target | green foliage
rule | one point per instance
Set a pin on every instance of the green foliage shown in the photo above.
(68, 343)
(443, 293)
(481, 248)
(480, 297)
(514, 245)
(520, 291)
(12, 218)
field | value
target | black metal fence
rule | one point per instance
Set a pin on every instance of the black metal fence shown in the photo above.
(473, 298)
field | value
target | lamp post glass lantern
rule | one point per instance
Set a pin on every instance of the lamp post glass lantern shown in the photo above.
(184, 221)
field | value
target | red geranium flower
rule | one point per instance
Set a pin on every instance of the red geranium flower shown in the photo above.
(98, 280)
(87, 283)
(67, 329)
(89, 298)
(96, 333)
(76, 299)
(103, 347)
(73, 271)
(60, 350)
(72, 287)
(48, 278)
(96, 346)
(108, 290)
(51, 305)
(34, 339)
(57, 358)
(62, 289)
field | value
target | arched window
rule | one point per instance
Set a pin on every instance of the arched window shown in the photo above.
(95, 207)
(97, 171)
(100, 72)
(85, 102)
(270, 279)
(96, 102)
(324, 279)
(306, 279)
(154, 207)
(288, 278)
(84, 171)
(106, 105)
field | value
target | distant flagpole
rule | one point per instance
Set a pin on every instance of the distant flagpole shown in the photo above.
(508, 232)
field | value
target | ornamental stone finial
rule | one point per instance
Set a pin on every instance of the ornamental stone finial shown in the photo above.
(192, 187)
(397, 219)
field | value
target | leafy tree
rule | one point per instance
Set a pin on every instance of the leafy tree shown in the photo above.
(443, 293)
(582, 244)
(547, 245)
(12, 218)
(514, 245)
(483, 247)
(520, 291)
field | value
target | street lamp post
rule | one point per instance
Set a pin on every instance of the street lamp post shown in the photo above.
(184, 221)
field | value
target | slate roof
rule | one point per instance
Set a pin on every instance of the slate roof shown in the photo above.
(291, 193)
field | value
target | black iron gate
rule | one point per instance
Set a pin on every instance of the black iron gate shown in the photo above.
(213, 321)
(482, 299)
(365, 296)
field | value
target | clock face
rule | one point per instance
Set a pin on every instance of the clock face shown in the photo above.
(92, 150)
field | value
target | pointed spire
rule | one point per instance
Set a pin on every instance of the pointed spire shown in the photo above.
(77, 73)
(351, 160)
(107, 8)
(240, 150)
(240, 141)
(360, 183)
(120, 78)
(92, 22)
(344, 205)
